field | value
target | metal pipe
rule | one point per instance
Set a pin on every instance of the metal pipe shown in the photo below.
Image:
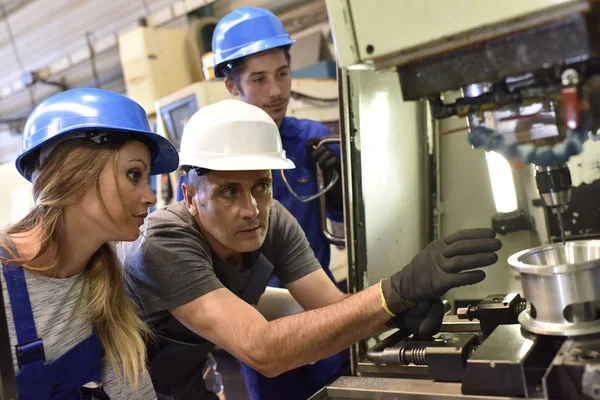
(403, 355)
(88, 39)
(415, 355)
(376, 353)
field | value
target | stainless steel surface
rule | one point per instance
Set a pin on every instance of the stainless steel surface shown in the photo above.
(562, 282)
(452, 323)
(392, 172)
(503, 364)
(370, 368)
(557, 329)
(465, 192)
(506, 344)
(330, 236)
(583, 312)
(348, 387)
(384, 193)
(354, 212)
(573, 257)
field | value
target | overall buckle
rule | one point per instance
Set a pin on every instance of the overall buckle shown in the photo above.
(30, 352)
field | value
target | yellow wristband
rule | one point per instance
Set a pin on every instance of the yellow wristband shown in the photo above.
(383, 303)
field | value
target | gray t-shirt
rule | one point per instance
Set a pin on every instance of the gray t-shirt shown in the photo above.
(172, 263)
(61, 325)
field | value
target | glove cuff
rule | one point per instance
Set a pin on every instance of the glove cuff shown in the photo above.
(391, 302)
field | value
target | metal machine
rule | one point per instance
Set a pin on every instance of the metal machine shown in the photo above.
(527, 71)
(525, 76)
(505, 347)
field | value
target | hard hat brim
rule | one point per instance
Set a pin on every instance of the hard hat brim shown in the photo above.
(240, 162)
(254, 48)
(164, 155)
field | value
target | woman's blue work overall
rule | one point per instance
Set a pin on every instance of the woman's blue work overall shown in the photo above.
(37, 379)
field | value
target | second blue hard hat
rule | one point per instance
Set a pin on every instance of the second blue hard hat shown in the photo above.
(246, 31)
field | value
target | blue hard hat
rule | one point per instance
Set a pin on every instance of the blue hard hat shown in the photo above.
(246, 31)
(97, 114)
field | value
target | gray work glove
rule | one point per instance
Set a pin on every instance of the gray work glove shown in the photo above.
(424, 319)
(439, 267)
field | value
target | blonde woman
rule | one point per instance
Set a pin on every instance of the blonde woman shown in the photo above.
(89, 154)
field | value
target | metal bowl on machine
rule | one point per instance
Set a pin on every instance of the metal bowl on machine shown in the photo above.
(562, 283)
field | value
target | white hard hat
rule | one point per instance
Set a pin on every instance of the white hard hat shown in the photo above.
(232, 136)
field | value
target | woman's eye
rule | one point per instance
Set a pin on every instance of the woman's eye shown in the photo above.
(134, 175)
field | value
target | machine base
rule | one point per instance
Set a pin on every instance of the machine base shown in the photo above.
(462, 362)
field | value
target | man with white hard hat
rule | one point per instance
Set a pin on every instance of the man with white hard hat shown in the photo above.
(205, 261)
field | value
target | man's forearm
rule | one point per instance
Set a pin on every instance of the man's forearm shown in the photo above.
(313, 335)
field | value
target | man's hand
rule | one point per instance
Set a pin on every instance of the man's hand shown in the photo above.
(327, 159)
(329, 162)
(424, 319)
(439, 267)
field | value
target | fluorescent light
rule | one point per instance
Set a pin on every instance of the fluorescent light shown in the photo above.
(503, 185)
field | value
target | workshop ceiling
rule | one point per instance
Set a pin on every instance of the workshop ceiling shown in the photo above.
(53, 35)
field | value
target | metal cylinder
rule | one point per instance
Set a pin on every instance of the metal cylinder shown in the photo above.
(414, 355)
(554, 184)
(562, 283)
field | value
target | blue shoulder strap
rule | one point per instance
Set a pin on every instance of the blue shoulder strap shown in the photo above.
(30, 348)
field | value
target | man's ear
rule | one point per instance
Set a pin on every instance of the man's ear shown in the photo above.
(188, 197)
(230, 85)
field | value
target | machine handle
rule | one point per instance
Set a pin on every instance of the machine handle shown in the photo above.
(387, 349)
(330, 236)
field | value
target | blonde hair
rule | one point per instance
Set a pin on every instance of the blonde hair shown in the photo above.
(72, 168)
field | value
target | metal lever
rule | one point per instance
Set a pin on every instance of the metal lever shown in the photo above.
(387, 349)
(330, 236)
